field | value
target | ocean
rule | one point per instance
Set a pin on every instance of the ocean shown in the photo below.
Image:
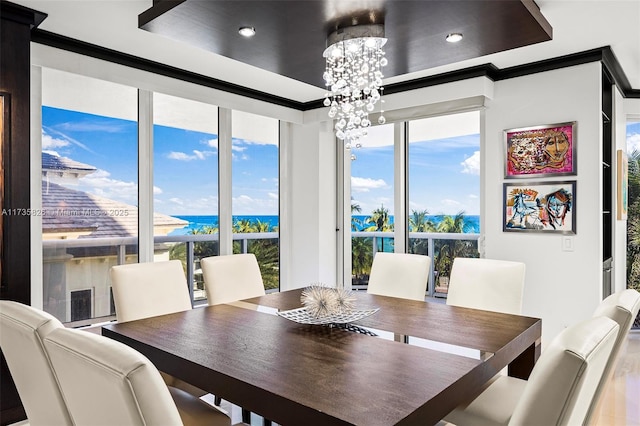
(196, 222)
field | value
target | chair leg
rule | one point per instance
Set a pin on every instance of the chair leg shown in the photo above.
(217, 401)
(246, 416)
(266, 422)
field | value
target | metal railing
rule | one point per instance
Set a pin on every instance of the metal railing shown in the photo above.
(378, 238)
(119, 248)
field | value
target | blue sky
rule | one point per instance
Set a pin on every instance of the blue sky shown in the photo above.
(443, 173)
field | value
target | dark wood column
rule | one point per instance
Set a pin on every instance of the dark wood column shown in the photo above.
(15, 268)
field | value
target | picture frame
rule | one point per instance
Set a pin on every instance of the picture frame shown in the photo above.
(544, 207)
(622, 185)
(541, 151)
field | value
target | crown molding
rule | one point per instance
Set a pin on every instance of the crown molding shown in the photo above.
(602, 54)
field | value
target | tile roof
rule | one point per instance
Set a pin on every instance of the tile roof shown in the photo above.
(63, 165)
(69, 210)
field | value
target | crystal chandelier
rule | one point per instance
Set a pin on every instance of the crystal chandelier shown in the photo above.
(354, 79)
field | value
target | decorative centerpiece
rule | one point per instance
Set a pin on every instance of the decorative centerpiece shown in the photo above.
(326, 306)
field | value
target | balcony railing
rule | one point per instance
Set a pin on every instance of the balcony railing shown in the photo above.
(426, 243)
(83, 265)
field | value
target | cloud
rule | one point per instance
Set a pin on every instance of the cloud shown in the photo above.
(157, 190)
(449, 203)
(61, 139)
(359, 184)
(95, 126)
(472, 164)
(273, 195)
(246, 205)
(237, 148)
(182, 156)
(213, 143)
(176, 201)
(49, 142)
(100, 183)
(633, 142)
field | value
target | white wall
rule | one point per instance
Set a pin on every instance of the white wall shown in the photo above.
(561, 287)
(311, 202)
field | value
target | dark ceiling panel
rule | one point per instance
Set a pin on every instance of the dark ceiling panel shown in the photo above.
(291, 35)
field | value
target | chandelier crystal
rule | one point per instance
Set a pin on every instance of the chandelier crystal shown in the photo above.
(353, 77)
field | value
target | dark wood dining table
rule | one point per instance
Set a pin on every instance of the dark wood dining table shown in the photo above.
(299, 374)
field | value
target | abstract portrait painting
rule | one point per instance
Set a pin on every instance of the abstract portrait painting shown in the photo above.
(540, 207)
(548, 150)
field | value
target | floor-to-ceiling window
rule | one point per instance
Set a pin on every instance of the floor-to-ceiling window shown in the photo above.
(441, 169)
(444, 191)
(633, 208)
(89, 191)
(255, 192)
(185, 184)
(372, 202)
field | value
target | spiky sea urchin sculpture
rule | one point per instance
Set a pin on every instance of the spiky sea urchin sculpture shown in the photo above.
(345, 300)
(322, 301)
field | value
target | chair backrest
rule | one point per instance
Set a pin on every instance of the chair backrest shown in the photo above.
(488, 284)
(143, 290)
(622, 307)
(22, 330)
(566, 376)
(231, 278)
(399, 275)
(105, 382)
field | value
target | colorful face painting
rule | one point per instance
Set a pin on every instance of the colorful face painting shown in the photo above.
(540, 207)
(544, 150)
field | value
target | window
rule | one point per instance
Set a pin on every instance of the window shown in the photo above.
(185, 184)
(442, 176)
(89, 190)
(255, 207)
(372, 202)
(444, 190)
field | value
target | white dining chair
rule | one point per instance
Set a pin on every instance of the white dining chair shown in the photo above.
(488, 284)
(560, 387)
(399, 275)
(622, 307)
(105, 382)
(144, 290)
(22, 330)
(231, 278)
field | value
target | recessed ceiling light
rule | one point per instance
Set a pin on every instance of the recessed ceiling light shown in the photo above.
(247, 31)
(454, 37)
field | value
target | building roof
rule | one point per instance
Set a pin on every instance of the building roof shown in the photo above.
(84, 215)
(64, 167)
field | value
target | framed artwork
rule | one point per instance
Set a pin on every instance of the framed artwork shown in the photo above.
(622, 185)
(548, 150)
(547, 207)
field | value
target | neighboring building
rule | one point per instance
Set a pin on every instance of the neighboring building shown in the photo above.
(70, 218)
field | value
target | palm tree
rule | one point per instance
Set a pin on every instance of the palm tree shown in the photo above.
(419, 222)
(452, 224)
(380, 220)
(447, 250)
(356, 224)
(361, 258)
(633, 222)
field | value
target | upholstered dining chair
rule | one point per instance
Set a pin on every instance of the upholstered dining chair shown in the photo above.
(560, 387)
(22, 330)
(144, 290)
(105, 382)
(231, 278)
(488, 284)
(228, 279)
(622, 307)
(399, 275)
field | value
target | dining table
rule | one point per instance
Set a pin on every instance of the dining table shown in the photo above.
(410, 362)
